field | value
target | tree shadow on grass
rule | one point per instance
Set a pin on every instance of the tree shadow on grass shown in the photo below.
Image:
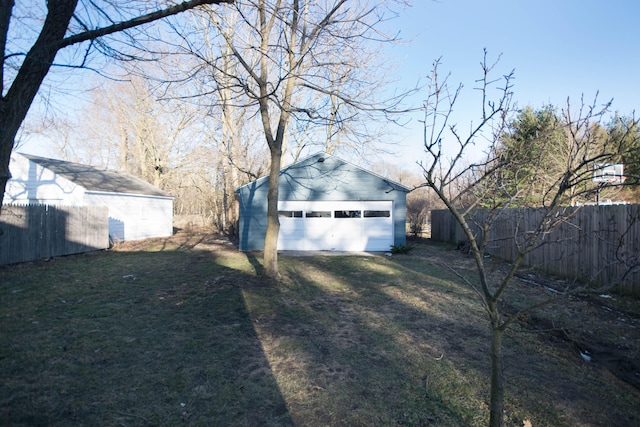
(351, 351)
(546, 378)
(253, 260)
(400, 341)
(136, 338)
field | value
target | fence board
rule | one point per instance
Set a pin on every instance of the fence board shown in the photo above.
(595, 243)
(34, 232)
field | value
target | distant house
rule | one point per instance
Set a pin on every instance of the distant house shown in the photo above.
(137, 209)
(326, 204)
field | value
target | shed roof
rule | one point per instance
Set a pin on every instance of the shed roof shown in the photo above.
(97, 179)
(321, 157)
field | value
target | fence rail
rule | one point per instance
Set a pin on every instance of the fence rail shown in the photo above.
(596, 243)
(34, 232)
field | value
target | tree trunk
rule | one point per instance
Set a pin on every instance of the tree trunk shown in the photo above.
(273, 224)
(496, 408)
(6, 145)
(37, 62)
(15, 104)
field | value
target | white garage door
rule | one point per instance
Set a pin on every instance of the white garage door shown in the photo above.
(336, 225)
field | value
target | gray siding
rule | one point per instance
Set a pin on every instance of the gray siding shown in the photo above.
(309, 179)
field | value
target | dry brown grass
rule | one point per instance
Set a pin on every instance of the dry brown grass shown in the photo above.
(185, 331)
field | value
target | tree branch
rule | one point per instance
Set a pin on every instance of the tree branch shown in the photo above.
(5, 17)
(144, 19)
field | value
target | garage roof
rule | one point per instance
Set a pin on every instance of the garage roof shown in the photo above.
(96, 179)
(303, 169)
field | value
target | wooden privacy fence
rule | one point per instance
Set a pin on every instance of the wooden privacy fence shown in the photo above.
(598, 243)
(34, 232)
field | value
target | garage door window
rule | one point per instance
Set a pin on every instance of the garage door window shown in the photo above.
(290, 214)
(347, 214)
(377, 214)
(318, 214)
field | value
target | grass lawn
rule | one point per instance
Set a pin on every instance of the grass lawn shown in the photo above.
(184, 331)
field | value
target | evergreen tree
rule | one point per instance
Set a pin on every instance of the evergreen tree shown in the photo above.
(625, 133)
(534, 146)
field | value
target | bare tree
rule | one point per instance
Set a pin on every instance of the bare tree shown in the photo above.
(343, 127)
(64, 23)
(242, 158)
(287, 52)
(420, 202)
(128, 128)
(463, 187)
(141, 127)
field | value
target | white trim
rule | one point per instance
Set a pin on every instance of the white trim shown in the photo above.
(113, 193)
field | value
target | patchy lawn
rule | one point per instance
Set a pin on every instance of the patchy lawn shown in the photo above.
(183, 331)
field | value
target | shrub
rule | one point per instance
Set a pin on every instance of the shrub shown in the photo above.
(400, 249)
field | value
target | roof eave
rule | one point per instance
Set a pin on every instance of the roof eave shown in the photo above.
(115, 193)
(395, 185)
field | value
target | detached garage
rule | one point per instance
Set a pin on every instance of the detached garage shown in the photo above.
(326, 204)
(137, 209)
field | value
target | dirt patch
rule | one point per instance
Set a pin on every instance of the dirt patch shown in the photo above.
(599, 329)
(192, 238)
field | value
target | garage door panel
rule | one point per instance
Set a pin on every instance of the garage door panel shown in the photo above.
(316, 228)
(378, 234)
(351, 227)
(292, 245)
(290, 231)
(347, 244)
(291, 226)
(377, 245)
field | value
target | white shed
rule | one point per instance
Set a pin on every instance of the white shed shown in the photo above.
(137, 209)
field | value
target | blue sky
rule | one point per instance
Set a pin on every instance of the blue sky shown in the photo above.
(558, 49)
